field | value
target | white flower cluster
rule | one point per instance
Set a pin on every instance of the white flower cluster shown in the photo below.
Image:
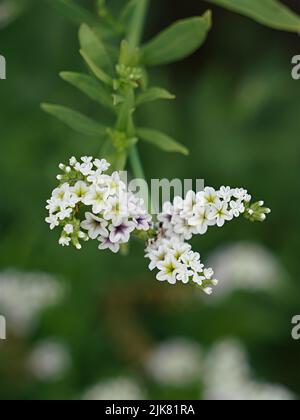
(169, 252)
(176, 262)
(49, 360)
(23, 296)
(176, 362)
(110, 212)
(246, 266)
(197, 212)
(118, 389)
(228, 376)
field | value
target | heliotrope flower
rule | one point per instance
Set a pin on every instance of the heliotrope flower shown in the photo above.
(91, 204)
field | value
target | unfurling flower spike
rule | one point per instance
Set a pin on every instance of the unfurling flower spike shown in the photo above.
(90, 204)
(170, 254)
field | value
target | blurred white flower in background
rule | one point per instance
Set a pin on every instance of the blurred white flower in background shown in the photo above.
(49, 361)
(227, 376)
(245, 266)
(24, 295)
(176, 362)
(10, 10)
(119, 389)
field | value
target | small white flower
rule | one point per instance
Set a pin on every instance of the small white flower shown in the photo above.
(208, 291)
(168, 208)
(156, 256)
(94, 225)
(180, 249)
(121, 233)
(183, 274)
(168, 270)
(220, 213)
(189, 203)
(73, 161)
(53, 221)
(62, 195)
(208, 273)
(200, 220)
(69, 229)
(210, 196)
(116, 209)
(113, 184)
(105, 243)
(192, 260)
(181, 227)
(143, 222)
(225, 193)
(236, 208)
(96, 177)
(86, 166)
(64, 240)
(178, 205)
(241, 194)
(80, 191)
(95, 198)
(52, 206)
(165, 219)
(102, 165)
(64, 213)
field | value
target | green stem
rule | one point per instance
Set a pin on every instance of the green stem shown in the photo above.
(137, 23)
(134, 38)
(136, 164)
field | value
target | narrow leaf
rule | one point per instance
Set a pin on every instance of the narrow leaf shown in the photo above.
(177, 42)
(78, 14)
(271, 13)
(128, 10)
(75, 120)
(98, 72)
(153, 94)
(92, 46)
(90, 86)
(161, 140)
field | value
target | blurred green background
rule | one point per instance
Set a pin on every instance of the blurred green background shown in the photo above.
(237, 109)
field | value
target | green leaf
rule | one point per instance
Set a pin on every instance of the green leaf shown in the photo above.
(161, 140)
(128, 10)
(90, 86)
(271, 13)
(75, 120)
(177, 42)
(91, 44)
(153, 94)
(78, 14)
(98, 72)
